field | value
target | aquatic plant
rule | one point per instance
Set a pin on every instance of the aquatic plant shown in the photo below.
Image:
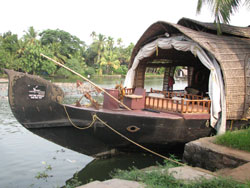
(44, 174)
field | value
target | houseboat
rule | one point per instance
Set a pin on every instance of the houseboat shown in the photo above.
(217, 94)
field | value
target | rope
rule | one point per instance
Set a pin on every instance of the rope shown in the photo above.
(95, 117)
(115, 131)
(74, 125)
(155, 153)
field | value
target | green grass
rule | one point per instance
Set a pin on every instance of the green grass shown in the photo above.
(159, 179)
(239, 139)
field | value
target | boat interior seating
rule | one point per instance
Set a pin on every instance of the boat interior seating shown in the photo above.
(173, 101)
(135, 100)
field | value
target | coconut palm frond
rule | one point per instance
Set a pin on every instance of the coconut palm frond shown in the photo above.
(247, 3)
(221, 10)
(199, 5)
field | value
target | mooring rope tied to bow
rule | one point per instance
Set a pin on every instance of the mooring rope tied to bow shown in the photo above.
(76, 126)
(95, 118)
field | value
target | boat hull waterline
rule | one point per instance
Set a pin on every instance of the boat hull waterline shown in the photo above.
(37, 105)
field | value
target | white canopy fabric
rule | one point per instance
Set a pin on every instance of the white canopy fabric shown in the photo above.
(216, 84)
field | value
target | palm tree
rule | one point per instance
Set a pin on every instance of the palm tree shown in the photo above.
(119, 41)
(93, 35)
(110, 44)
(100, 42)
(221, 9)
(109, 61)
(30, 35)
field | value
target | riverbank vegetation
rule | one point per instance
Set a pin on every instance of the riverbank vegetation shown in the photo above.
(239, 139)
(159, 178)
(102, 56)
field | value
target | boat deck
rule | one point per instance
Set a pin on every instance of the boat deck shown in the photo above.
(147, 113)
(158, 104)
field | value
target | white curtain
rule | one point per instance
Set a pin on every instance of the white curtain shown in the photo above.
(216, 84)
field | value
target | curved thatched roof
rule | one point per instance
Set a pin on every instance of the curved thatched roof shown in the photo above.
(211, 28)
(155, 31)
(232, 51)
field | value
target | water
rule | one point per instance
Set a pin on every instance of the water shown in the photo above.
(24, 155)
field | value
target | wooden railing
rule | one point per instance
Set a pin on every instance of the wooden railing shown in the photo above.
(178, 105)
(196, 106)
(171, 94)
(129, 91)
(175, 101)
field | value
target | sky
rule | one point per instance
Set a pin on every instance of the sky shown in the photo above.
(126, 19)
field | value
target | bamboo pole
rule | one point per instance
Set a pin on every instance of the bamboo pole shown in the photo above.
(92, 83)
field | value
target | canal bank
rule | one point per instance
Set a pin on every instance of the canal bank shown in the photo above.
(222, 160)
(209, 160)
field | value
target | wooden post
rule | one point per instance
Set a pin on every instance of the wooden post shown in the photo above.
(182, 105)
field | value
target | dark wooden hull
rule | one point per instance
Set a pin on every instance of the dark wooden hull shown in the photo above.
(40, 111)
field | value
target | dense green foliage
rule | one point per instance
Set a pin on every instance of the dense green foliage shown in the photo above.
(102, 56)
(237, 139)
(160, 179)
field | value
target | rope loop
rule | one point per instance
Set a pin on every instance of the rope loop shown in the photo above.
(94, 117)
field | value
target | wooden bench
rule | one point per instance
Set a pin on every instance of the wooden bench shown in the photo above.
(136, 100)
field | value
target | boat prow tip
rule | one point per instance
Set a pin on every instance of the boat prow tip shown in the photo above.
(5, 70)
(9, 72)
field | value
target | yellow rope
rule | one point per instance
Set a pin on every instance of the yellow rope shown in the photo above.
(95, 117)
(162, 156)
(74, 125)
(157, 154)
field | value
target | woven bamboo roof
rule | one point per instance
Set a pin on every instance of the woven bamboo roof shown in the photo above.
(232, 51)
(211, 27)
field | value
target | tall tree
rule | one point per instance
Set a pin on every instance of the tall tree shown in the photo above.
(30, 60)
(69, 44)
(30, 35)
(119, 41)
(9, 46)
(221, 9)
(109, 62)
(93, 35)
(100, 46)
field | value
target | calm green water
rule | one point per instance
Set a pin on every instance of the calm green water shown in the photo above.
(25, 155)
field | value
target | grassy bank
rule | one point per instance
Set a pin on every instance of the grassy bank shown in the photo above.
(239, 139)
(161, 179)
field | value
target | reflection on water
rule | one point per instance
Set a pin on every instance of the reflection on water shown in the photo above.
(102, 169)
(24, 155)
